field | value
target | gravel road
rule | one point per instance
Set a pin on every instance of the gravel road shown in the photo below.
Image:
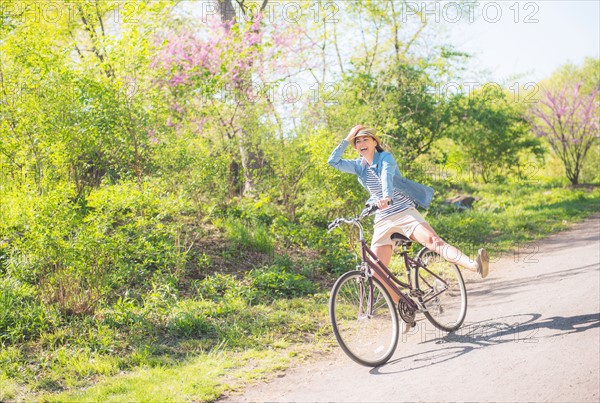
(532, 333)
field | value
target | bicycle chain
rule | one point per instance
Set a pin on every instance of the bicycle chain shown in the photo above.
(406, 313)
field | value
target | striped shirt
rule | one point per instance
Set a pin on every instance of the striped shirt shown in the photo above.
(400, 202)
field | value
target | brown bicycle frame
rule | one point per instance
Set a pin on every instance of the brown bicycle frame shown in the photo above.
(393, 282)
(386, 275)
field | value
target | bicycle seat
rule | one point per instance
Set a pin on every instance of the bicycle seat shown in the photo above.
(401, 239)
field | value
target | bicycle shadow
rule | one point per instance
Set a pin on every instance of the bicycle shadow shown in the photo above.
(478, 335)
(496, 332)
(424, 359)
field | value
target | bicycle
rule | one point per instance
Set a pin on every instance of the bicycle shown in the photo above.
(362, 311)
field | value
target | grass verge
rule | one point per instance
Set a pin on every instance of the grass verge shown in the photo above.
(203, 378)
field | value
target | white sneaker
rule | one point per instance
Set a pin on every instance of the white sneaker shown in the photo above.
(483, 263)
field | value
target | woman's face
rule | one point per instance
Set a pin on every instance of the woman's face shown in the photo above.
(365, 145)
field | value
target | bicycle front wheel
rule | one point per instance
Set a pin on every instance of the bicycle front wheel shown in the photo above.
(442, 291)
(365, 323)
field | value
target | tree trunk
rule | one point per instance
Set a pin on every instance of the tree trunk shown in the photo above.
(233, 185)
(574, 177)
(226, 10)
(248, 158)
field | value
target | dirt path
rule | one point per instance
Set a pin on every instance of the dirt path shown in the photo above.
(532, 333)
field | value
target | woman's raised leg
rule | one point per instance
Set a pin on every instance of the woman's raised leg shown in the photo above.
(427, 237)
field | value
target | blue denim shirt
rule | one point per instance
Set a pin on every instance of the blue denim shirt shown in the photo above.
(387, 169)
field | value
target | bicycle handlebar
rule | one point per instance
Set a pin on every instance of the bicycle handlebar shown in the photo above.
(369, 209)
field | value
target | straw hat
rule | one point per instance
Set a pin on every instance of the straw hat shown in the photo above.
(367, 131)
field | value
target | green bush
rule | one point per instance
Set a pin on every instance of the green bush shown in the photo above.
(36, 231)
(215, 286)
(126, 315)
(10, 360)
(275, 282)
(22, 315)
(262, 210)
(83, 255)
(248, 235)
(190, 320)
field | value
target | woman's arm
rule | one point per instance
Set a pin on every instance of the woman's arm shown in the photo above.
(335, 159)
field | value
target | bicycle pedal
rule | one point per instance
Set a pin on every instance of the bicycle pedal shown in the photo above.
(407, 326)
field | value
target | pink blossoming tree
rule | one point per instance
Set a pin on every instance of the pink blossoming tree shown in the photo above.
(569, 120)
(219, 77)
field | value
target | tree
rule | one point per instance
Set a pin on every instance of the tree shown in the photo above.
(492, 132)
(588, 74)
(73, 95)
(398, 102)
(390, 81)
(214, 73)
(568, 118)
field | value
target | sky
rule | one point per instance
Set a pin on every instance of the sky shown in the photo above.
(507, 38)
(528, 39)
(516, 43)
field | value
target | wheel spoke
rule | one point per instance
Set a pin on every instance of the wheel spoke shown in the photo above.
(368, 336)
(444, 292)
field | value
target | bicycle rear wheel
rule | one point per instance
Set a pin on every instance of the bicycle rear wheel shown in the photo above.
(365, 325)
(442, 291)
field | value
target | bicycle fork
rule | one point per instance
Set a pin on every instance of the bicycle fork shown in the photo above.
(365, 290)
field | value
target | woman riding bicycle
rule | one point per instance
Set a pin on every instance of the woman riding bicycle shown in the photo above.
(397, 198)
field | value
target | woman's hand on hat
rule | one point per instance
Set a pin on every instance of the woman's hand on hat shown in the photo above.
(353, 132)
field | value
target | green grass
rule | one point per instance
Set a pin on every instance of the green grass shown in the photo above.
(203, 378)
(178, 362)
(10, 389)
(506, 216)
